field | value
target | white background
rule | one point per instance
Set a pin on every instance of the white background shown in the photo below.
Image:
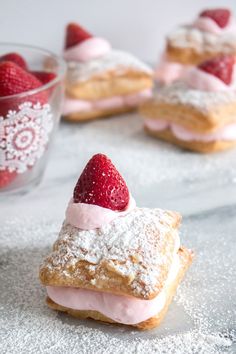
(135, 25)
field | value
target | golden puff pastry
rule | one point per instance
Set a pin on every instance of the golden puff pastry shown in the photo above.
(210, 34)
(136, 258)
(185, 260)
(101, 81)
(113, 261)
(194, 119)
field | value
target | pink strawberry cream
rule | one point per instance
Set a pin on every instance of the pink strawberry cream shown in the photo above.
(122, 309)
(72, 105)
(202, 81)
(226, 133)
(168, 71)
(90, 216)
(89, 49)
(208, 25)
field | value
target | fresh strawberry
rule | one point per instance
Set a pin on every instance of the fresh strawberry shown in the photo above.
(220, 16)
(15, 80)
(43, 76)
(221, 67)
(75, 34)
(15, 58)
(6, 177)
(101, 184)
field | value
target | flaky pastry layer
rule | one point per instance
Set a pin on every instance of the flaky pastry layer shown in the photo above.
(96, 113)
(203, 147)
(109, 84)
(205, 119)
(190, 56)
(185, 256)
(130, 256)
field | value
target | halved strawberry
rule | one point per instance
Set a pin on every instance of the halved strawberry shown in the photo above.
(75, 34)
(220, 16)
(15, 58)
(221, 67)
(6, 177)
(15, 80)
(101, 184)
(43, 76)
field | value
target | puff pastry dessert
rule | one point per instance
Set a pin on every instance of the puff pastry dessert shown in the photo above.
(211, 34)
(198, 112)
(114, 262)
(101, 81)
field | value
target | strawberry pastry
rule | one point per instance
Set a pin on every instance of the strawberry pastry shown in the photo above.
(23, 134)
(211, 34)
(101, 81)
(197, 112)
(114, 262)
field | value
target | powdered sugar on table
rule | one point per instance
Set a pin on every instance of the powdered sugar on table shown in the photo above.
(201, 318)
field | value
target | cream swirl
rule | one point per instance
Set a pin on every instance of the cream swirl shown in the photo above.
(89, 49)
(168, 72)
(208, 25)
(200, 80)
(89, 216)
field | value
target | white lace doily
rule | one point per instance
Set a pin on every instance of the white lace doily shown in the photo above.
(24, 135)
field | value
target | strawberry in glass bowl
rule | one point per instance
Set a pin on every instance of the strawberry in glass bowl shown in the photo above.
(31, 94)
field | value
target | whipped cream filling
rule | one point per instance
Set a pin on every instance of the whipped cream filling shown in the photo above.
(89, 216)
(119, 308)
(89, 49)
(72, 105)
(227, 133)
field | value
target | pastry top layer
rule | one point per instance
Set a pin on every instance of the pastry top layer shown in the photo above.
(201, 41)
(203, 101)
(115, 60)
(199, 111)
(130, 256)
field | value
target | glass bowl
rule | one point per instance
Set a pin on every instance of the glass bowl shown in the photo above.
(28, 122)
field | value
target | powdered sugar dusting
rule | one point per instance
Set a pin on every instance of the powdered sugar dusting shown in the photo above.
(134, 246)
(204, 101)
(201, 41)
(197, 322)
(114, 60)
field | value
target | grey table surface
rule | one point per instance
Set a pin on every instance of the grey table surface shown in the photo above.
(202, 317)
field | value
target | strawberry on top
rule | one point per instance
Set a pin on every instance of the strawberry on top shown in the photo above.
(220, 16)
(75, 34)
(101, 184)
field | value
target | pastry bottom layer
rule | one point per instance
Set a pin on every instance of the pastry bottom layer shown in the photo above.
(189, 56)
(96, 114)
(87, 109)
(185, 256)
(199, 146)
